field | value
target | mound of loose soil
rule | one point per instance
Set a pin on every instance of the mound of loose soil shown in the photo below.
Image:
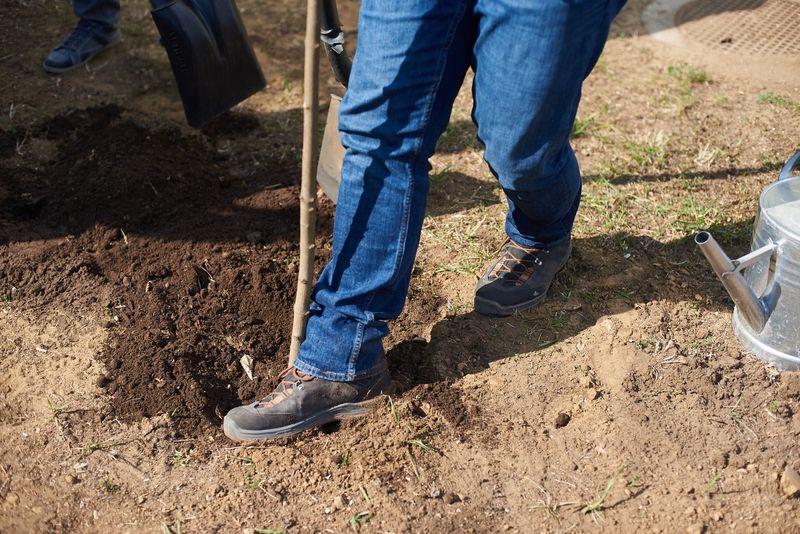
(198, 263)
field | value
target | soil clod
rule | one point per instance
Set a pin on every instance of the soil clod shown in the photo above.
(562, 420)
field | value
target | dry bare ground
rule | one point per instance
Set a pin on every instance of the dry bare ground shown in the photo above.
(140, 260)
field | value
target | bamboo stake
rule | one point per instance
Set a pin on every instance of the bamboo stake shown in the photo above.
(308, 180)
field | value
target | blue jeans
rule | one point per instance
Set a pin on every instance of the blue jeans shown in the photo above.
(530, 58)
(105, 12)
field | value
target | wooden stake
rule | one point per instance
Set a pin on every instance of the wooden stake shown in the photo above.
(308, 180)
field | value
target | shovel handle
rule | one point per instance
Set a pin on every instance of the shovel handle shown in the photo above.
(788, 169)
(332, 38)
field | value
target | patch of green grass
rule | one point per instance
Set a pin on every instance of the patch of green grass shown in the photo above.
(711, 485)
(356, 520)
(687, 77)
(703, 342)
(268, 531)
(459, 135)
(721, 100)
(604, 200)
(597, 505)
(364, 494)
(733, 234)
(418, 442)
(88, 448)
(778, 101)
(626, 293)
(590, 296)
(684, 72)
(460, 237)
(650, 153)
(110, 487)
(174, 528)
(393, 410)
(695, 183)
(345, 459)
(252, 482)
(693, 216)
(437, 177)
(582, 126)
(601, 65)
(643, 344)
(57, 410)
(245, 460)
(181, 458)
(773, 407)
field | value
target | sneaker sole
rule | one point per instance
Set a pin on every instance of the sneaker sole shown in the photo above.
(493, 309)
(335, 413)
(56, 70)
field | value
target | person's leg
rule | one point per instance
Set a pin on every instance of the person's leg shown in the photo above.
(103, 12)
(411, 59)
(96, 30)
(530, 62)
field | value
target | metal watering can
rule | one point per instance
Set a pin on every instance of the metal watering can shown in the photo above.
(768, 325)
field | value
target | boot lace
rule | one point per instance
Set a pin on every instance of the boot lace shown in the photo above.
(289, 380)
(517, 263)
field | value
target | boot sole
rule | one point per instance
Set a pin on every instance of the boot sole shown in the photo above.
(334, 413)
(493, 309)
(57, 70)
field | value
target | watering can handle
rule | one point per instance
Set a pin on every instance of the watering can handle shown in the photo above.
(786, 172)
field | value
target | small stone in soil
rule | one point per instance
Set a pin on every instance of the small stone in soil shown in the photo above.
(562, 420)
(102, 381)
(790, 483)
(451, 498)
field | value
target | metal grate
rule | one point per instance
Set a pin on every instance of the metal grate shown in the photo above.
(770, 27)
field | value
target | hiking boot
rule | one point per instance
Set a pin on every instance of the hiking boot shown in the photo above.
(302, 401)
(518, 278)
(86, 40)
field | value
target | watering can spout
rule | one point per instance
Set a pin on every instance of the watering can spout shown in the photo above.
(755, 311)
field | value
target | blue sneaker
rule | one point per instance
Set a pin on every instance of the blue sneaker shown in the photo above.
(86, 40)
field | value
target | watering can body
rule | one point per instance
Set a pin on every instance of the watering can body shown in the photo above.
(765, 284)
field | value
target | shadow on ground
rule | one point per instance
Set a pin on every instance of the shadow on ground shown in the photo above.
(598, 281)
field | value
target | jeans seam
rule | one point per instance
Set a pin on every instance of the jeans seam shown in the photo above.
(357, 343)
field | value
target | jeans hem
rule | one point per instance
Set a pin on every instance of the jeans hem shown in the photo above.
(334, 376)
(525, 242)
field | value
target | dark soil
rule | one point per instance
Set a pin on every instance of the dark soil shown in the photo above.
(199, 262)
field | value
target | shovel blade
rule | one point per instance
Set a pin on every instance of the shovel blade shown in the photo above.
(212, 59)
(331, 154)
